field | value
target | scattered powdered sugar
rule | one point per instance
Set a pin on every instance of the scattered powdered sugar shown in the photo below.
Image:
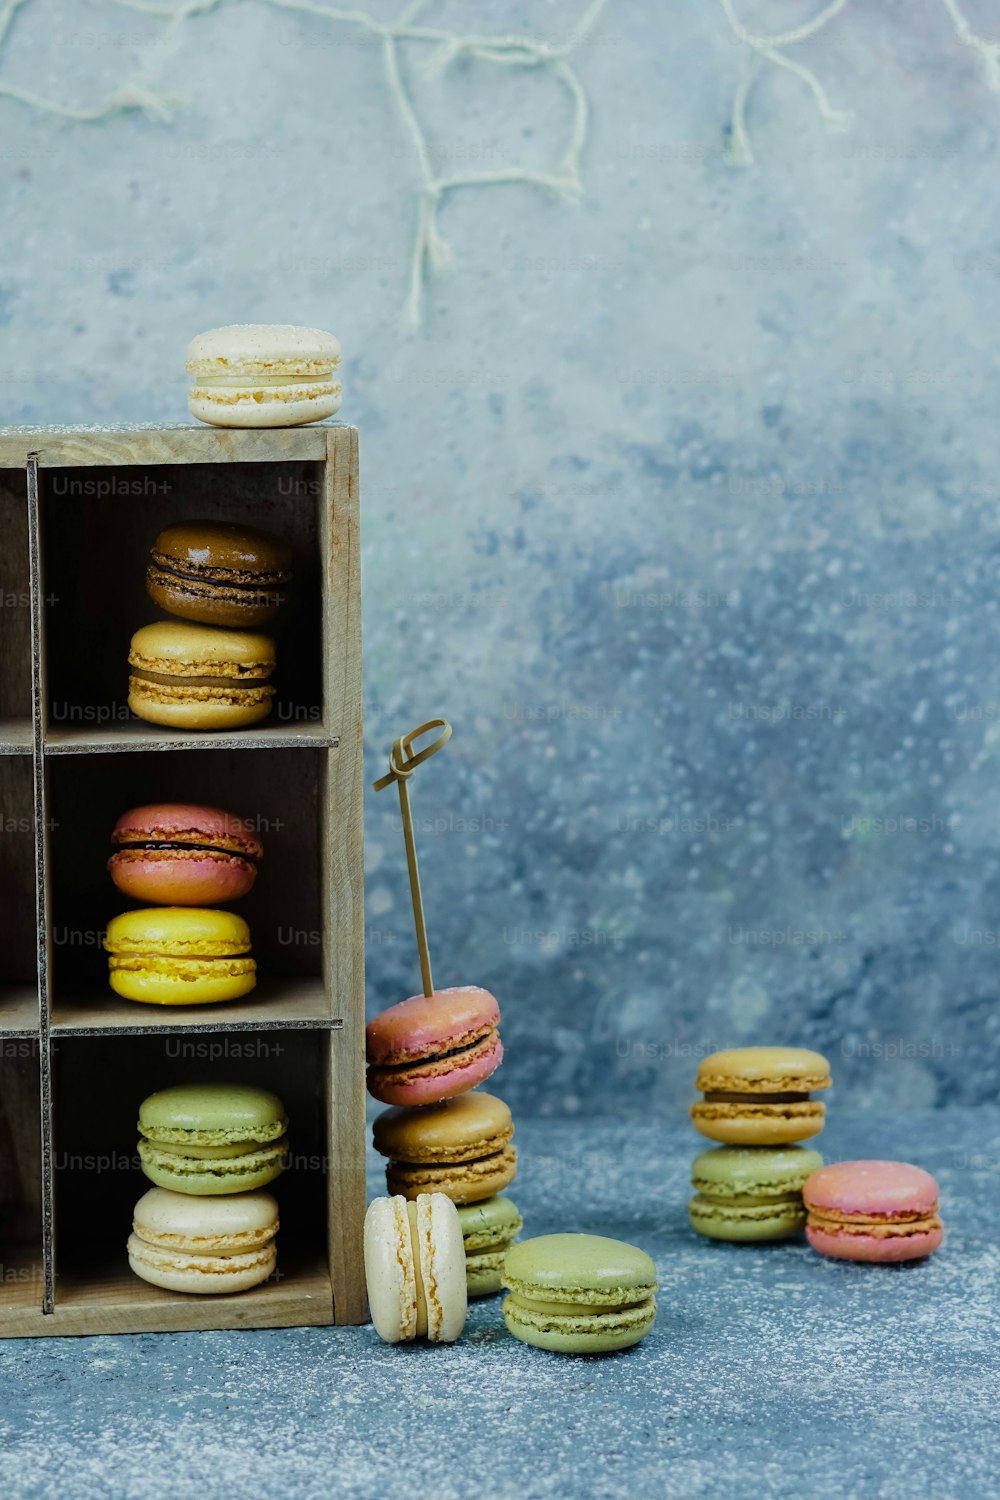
(770, 1371)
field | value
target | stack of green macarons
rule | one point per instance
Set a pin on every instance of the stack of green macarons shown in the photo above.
(757, 1103)
(219, 1144)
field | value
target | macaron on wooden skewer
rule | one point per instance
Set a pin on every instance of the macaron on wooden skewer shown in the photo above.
(436, 1045)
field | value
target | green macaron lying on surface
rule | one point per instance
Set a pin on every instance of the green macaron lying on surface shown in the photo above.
(748, 1194)
(488, 1228)
(212, 1138)
(579, 1293)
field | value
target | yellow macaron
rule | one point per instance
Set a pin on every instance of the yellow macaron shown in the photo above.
(180, 955)
(759, 1096)
(200, 677)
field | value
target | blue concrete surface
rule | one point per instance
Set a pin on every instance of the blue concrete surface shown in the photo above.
(682, 506)
(770, 1371)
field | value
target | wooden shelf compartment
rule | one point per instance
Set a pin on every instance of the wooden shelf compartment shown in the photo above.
(94, 500)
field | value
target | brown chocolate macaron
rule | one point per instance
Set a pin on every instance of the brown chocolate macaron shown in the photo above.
(217, 573)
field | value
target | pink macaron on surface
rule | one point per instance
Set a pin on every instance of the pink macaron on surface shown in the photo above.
(881, 1211)
(181, 854)
(433, 1047)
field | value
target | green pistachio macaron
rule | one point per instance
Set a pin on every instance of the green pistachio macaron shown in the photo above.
(212, 1138)
(749, 1194)
(488, 1228)
(579, 1293)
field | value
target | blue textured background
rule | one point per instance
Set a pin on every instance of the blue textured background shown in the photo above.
(682, 506)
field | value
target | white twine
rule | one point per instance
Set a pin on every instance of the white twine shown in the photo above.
(740, 152)
(431, 252)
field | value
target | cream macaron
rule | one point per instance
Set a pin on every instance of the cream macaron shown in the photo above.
(204, 1245)
(415, 1269)
(263, 375)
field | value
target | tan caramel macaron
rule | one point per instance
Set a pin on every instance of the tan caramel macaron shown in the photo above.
(461, 1147)
(759, 1096)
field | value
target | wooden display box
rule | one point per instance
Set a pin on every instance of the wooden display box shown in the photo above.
(78, 511)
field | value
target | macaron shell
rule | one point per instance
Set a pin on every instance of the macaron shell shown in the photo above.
(173, 648)
(176, 878)
(187, 822)
(754, 1173)
(763, 1070)
(604, 1333)
(746, 1224)
(243, 1173)
(212, 1114)
(482, 1273)
(437, 1079)
(426, 1025)
(494, 1222)
(179, 981)
(390, 1270)
(280, 348)
(843, 1244)
(180, 932)
(586, 1269)
(204, 1275)
(199, 708)
(462, 1182)
(454, 1130)
(872, 1189)
(442, 1265)
(759, 1124)
(226, 1226)
(252, 406)
(223, 552)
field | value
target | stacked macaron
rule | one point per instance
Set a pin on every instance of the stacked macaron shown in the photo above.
(209, 667)
(757, 1103)
(207, 1226)
(263, 375)
(425, 1055)
(182, 951)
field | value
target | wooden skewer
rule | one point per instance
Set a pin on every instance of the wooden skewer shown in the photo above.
(402, 763)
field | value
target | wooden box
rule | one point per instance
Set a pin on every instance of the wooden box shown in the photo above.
(78, 511)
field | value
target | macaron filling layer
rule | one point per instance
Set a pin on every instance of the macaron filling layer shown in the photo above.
(580, 1297)
(190, 1260)
(434, 1153)
(629, 1322)
(214, 1140)
(238, 1163)
(466, 1046)
(718, 1096)
(172, 582)
(319, 375)
(881, 1228)
(465, 1182)
(225, 681)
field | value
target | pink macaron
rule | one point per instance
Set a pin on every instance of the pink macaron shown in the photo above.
(433, 1047)
(176, 854)
(872, 1210)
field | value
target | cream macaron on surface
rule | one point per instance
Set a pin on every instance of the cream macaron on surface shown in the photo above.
(415, 1269)
(263, 375)
(203, 1245)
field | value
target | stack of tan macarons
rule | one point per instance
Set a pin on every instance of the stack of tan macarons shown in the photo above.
(209, 666)
(757, 1105)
